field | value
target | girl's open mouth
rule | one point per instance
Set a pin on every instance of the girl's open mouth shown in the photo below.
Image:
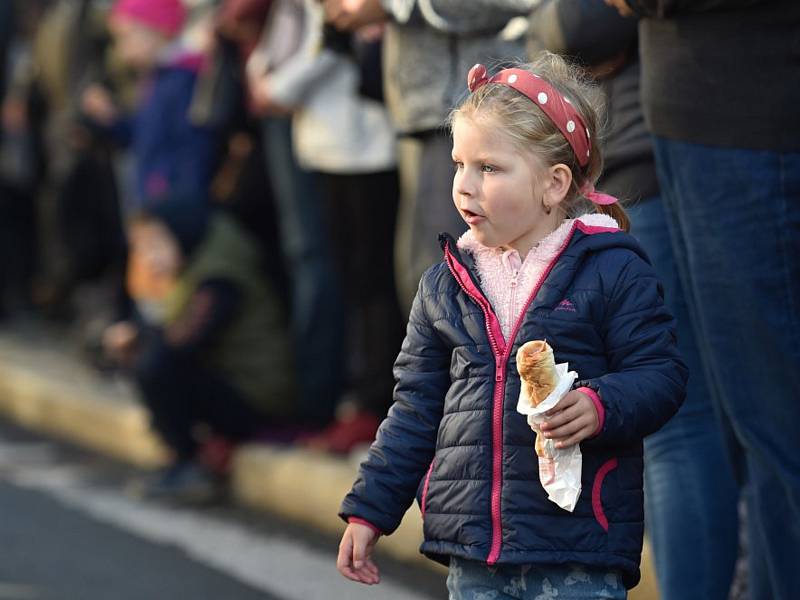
(471, 218)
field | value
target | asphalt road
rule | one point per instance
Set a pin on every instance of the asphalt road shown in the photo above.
(69, 532)
(52, 551)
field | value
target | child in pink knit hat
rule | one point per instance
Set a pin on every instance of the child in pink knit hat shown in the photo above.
(143, 28)
(172, 154)
(166, 16)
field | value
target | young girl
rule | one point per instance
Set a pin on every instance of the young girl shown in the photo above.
(533, 265)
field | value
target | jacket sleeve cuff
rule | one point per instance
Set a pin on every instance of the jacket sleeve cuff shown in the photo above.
(361, 521)
(598, 406)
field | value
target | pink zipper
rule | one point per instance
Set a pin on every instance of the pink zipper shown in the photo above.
(497, 406)
(501, 362)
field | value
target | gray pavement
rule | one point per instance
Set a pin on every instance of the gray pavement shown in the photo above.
(54, 552)
(68, 532)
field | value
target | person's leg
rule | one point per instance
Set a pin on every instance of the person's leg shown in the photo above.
(377, 322)
(431, 213)
(181, 393)
(566, 582)
(408, 153)
(316, 307)
(737, 212)
(695, 548)
(677, 227)
(336, 200)
(164, 386)
(468, 580)
(435, 212)
(361, 211)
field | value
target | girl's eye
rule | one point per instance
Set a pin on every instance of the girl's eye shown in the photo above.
(457, 165)
(488, 169)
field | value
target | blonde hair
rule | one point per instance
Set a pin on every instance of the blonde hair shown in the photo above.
(533, 131)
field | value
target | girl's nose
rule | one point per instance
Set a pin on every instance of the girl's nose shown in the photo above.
(464, 184)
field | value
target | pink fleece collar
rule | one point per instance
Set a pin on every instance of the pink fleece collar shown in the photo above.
(547, 246)
(507, 279)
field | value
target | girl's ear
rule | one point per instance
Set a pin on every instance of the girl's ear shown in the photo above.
(559, 180)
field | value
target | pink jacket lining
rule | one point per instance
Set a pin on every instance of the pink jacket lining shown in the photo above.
(497, 267)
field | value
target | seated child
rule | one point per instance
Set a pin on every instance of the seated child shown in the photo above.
(210, 344)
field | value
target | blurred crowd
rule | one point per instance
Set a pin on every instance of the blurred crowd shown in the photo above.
(207, 187)
(233, 201)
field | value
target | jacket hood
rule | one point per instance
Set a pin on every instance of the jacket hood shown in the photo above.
(588, 233)
(586, 236)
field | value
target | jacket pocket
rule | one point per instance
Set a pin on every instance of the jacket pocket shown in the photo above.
(597, 486)
(424, 500)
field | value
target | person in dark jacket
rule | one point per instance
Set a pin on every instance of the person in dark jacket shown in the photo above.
(173, 155)
(533, 266)
(694, 534)
(720, 90)
(209, 346)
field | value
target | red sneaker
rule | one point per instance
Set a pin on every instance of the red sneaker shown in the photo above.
(215, 454)
(347, 432)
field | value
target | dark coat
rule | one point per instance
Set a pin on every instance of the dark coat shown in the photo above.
(454, 438)
(174, 156)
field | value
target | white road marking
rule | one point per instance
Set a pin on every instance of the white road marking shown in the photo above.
(17, 591)
(274, 564)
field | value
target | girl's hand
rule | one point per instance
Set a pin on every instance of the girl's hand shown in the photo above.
(572, 420)
(355, 554)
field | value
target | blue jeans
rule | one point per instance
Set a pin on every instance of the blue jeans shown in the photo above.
(694, 531)
(316, 309)
(471, 580)
(734, 217)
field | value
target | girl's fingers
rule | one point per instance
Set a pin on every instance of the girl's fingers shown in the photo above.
(367, 572)
(565, 430)
(574, 439)
(343, 562)
(556, 420)
(562, 405)
(370, 566)
(361, 575)
(370, 572)
(354, 561)
(350, 574)
(562, 418)
(578, 412)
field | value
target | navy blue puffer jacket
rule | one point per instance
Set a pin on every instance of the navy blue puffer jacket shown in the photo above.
(454, 438)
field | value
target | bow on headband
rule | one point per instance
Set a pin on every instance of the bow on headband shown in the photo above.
(555, 105)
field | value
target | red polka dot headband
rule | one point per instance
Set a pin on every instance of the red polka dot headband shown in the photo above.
(552, 103)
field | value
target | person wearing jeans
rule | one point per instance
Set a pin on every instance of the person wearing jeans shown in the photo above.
(316, 310)
(315, 302)
(734, 218)
(693, 533)
(720, 90)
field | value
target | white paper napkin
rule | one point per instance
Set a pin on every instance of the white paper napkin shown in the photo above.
(560, 471)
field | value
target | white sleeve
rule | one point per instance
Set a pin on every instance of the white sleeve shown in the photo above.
(289, 82)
